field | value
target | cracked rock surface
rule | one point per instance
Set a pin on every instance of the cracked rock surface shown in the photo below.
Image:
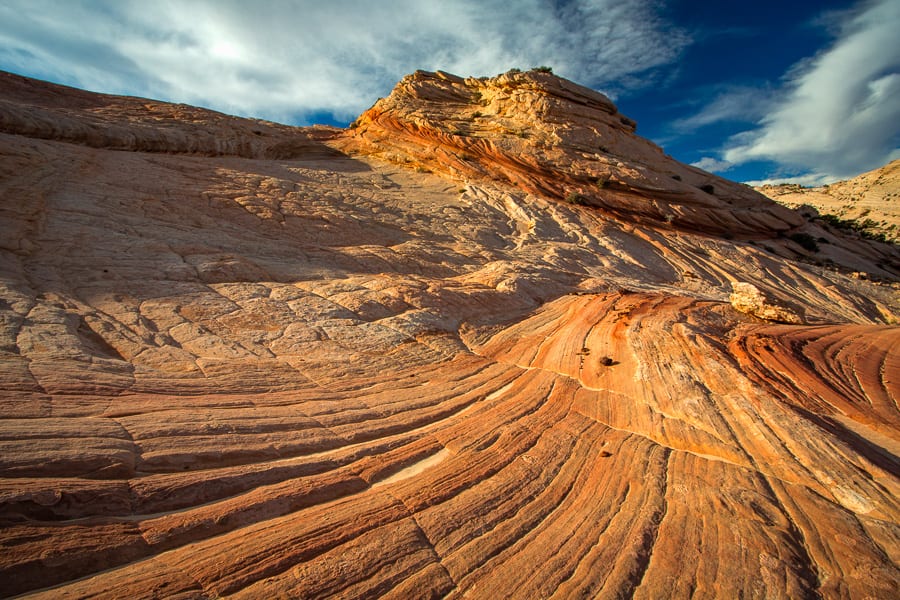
(244, 359)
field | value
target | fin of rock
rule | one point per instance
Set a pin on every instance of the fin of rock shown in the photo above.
(551, 137)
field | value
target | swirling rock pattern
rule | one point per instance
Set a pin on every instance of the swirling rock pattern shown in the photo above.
(225, 372)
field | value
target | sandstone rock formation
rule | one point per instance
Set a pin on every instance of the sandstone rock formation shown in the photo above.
(870, 201)
(395, 361)
(551, 137)
(748, 299)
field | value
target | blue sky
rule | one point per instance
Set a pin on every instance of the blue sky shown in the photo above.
(792, 90)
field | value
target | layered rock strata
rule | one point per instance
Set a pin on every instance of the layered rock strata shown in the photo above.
(331, 374)
(551, 137)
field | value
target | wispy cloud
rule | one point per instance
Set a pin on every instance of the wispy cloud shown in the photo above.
(713, 165)
(740, 104)
(286, 60)
(839, 112)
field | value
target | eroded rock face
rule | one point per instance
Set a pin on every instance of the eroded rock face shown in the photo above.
(551, 137)
(330, 374)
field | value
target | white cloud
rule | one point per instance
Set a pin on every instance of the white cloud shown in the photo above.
(839, 114)
(713, 165)
(283, 59)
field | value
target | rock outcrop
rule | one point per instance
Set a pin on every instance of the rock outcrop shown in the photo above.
(551, 137)
(748, 299)
(230, 371)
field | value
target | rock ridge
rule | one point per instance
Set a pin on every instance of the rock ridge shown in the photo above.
(551, 137)
(44, 110)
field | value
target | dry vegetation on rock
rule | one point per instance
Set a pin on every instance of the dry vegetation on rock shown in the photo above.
(242, 359)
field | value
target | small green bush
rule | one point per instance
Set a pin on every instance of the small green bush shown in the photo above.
(862, 228)
(806, 241)
(543, 69)
(576, 198)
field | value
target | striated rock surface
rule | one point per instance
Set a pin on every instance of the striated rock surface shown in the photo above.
(869, 202)
(551, 137)
(371, 367)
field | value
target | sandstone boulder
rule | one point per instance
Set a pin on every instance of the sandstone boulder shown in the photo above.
(747, 298)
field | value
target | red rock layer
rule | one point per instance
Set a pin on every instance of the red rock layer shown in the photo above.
(332, 376)
(558, 472)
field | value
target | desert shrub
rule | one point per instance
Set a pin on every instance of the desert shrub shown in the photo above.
(836, 221)
(862, 228)
(543, 69)
(805, 241)
(601, 182)
(576, 198)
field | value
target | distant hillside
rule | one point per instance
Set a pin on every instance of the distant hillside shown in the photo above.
(869, 202)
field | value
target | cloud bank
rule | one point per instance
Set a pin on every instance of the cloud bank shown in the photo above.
(839, 112)
(288, 61)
